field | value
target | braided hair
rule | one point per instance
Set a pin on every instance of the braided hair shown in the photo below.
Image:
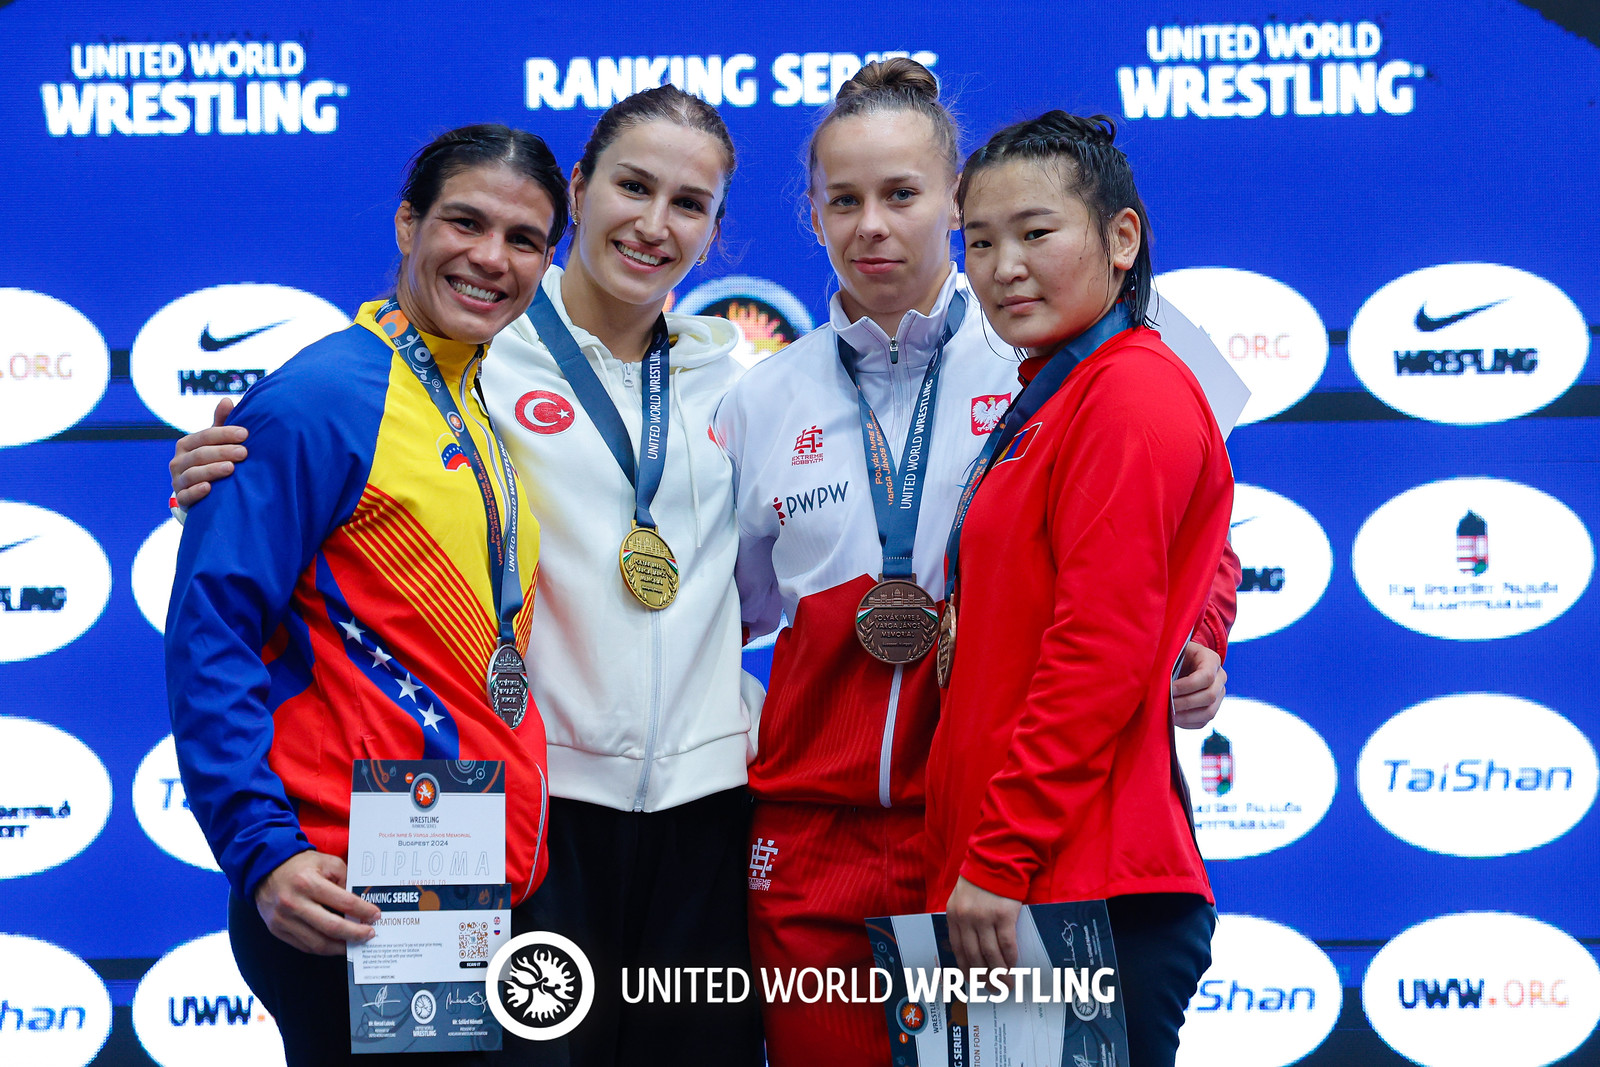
(1092, 168)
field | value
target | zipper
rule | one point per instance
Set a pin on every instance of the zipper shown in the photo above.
(627, 375)
(894, 350)
(655, 712)
(886, 755)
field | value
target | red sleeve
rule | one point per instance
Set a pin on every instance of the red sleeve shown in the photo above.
(1121, 482)
(1217, 619)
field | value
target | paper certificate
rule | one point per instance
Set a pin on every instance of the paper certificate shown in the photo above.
(418, 986)
(427, 846)
(1061, 1006)
(428, 822)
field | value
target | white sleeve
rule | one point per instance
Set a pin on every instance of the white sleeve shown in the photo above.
(760, 604)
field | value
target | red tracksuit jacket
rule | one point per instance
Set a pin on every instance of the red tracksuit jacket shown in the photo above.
(1086, 560)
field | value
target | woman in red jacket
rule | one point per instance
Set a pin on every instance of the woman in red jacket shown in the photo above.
(1082, 565)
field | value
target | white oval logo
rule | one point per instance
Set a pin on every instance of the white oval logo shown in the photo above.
(65, 1010)
(1470, 559)
(1468, 343)
(220, 341)
(1482, 988)
(154, 568)
(162, 808)
(54, 581)
(55, 796)
(1286, 558)
(193, 1009)
(54, 366)
(1271, 334)
(1478, 774)
(1269, 998)
(1260, 778)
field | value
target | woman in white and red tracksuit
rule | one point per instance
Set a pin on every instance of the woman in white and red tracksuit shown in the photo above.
(1086, 556)
(839, 774)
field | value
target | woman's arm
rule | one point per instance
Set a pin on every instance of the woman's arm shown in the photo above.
(243, 549)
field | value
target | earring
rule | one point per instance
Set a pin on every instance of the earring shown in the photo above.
(575, 220)
(702, 260)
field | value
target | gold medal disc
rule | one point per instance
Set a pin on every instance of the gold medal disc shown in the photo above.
(947, 642)
(648, 567)
(895, 621)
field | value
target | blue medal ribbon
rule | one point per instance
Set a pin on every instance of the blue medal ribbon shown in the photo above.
(504, 572)
(1034, 396)
(646, 475)
(897, 495)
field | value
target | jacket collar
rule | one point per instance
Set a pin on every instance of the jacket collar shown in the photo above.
(916, 339)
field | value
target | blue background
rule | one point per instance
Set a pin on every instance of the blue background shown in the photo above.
(1496, 163)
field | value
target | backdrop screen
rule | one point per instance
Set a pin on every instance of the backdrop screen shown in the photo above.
(1383, 215)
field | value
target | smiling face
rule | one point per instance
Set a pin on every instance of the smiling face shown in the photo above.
(472, 263)
(883, 204)
(1036, 257)
(648, 211)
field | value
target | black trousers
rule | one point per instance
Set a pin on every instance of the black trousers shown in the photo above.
(662, 889)
(1163, 944)
(306, 996)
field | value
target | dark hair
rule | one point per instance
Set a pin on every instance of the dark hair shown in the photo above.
(895, 84)
(484, 145)
(664, 102)
(1099, 176)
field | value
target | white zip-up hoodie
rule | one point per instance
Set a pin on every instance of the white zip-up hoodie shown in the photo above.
(642, 708)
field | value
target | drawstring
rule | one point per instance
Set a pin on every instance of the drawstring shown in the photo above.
(688, 458)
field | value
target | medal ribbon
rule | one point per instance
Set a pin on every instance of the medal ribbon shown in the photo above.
(504, 572)
(597, 403)
(1034, 396)
(897, 495)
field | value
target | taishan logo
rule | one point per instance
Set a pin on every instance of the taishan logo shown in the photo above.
(807, 447)
(1219, 72)
(54, 1010)
(232, 87)
(1478, 774)
(1269, 997)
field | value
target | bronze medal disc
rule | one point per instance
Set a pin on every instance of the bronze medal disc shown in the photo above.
(947, 642)
(895, 621)
(648, 567)
(508, 685)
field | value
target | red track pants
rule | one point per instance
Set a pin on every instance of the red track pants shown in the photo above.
(817, 872)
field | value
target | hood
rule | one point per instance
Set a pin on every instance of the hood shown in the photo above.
(698, 339)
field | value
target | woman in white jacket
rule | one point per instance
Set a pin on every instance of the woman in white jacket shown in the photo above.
(647, 733)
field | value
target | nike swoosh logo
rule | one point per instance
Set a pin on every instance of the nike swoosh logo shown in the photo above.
(217, 344)
(1428, 325)
(15, 544)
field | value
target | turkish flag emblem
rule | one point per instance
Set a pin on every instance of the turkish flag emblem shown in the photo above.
(544, 412)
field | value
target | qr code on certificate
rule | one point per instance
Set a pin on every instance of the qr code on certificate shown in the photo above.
(474, 941)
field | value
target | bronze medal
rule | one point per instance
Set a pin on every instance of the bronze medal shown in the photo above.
(895, 621)
(508, 685)
(947, 642)
(648, 567)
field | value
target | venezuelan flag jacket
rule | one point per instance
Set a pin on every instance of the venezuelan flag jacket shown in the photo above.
(838, 726)
(333, 603)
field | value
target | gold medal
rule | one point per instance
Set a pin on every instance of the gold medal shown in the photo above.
(648, 567)
(895, 621)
